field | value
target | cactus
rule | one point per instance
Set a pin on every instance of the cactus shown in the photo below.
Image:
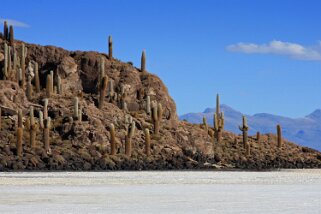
(5, 30)
(111, 91)
(80, 114)
(59, 85)
(258, 137)
(19, 134)
(279, 136)
(128, 140)
(218, 121)
(112, 139)
(157, 114)
(148, 108)
(29, 88)
(32, 129)
(22, 63)
(110, 47)
(143, 62)
(19, 77)
(6, 59)
(45, 109)
(205, 126)
(15, 60)
(41, 120)
(46, 130)
(0, 117)
(248, 149)
(11, 36)
(147, 142)
(37, 80)
(244, 128)
(102, 91)
(9, 69)
(101, 71)
(49, 88)
(76, 108)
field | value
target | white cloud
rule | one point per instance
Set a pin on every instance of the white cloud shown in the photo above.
(292, 50)
(14, 23)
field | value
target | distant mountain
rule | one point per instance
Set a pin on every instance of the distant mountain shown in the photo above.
(304, 131)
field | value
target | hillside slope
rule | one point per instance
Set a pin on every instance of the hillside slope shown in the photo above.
(85, 144)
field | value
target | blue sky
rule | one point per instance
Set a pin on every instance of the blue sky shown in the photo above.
(260, 56)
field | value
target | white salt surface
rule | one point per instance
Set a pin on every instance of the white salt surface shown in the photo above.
(295, 191)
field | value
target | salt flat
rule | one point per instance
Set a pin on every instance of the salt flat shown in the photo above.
(287, 191)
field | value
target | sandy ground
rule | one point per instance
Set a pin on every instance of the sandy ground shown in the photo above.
(289, 191)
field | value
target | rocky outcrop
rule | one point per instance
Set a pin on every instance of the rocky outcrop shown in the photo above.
(85, 144)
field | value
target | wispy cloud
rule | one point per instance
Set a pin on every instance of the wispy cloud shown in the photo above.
(14, 23)
(292, 50)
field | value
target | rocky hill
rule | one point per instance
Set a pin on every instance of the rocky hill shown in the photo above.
(63, 120)
(305, 131)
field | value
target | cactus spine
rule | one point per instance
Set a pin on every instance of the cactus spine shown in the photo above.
(32, 128)
(147, 142)
(112, 139)
(279, 136)
(19, 134)
(49, 86)
(143, 62)
(46, 130)
(244, 128)
(110, 47)
(218, 121)
(157, 114)
(11, 36)
(102, 93)
(37, 80)
(128, 140)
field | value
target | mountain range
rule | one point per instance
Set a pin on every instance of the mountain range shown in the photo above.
(305, 131)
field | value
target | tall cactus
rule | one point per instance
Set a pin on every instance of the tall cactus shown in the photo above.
(41, 124)
(19, 134)
(143, 62)
(45, 109)
(279, 136)
(147, 142)
(9, 62)
(76, 108)
(46, 132)
(11, 36)
(15, 59)
(49, 86)
(248, 149)
(5, 30)
(102, 91)
(37, 80)
(32, 128)
(112, 139)
(128, 139)
(258, 137)
(157, 114)
(101, 71)
(23, 64)
(205, 126)
(29, 88)
(59, 85)
(218, 121)
(110, 47)
(6, 59)
(244, 128)
(148, 108)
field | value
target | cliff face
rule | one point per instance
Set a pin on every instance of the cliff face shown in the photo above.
(85, 145)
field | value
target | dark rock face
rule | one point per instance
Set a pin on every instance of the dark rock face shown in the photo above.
(85, 145)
